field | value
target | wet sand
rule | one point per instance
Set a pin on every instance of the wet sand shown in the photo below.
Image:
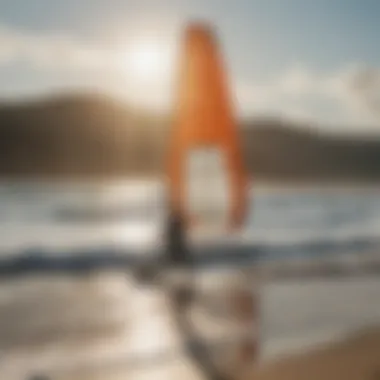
(82, 328)
(354, 358)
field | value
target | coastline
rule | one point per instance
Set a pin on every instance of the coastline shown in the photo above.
(101, 342)
(354, 358)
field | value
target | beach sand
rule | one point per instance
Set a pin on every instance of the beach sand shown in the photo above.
(354, 358)
(84, 328)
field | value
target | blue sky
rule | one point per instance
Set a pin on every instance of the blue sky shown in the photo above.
(301, 59)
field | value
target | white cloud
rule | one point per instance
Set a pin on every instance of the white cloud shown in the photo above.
(361, 86)
(348, 96)
(104, 67)
(55, 51)
(299, 81)
(8, 45)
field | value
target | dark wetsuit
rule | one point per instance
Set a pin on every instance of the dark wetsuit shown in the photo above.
(176, 252)
(175, 255)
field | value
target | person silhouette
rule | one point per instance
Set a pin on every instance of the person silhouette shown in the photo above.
(177, 252)
(39, 377)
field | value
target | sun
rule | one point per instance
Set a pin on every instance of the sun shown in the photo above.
(146, 61)
(147, 69)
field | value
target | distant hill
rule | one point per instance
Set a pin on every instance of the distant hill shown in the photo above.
(77, 135)
(279, 151)
(82, 135)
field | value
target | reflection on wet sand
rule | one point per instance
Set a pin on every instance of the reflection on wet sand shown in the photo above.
(90, 327)
(100, 326)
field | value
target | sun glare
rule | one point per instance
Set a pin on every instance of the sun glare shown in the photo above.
(148, 68)
(146, 62)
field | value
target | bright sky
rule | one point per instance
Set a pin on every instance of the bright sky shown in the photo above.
(303, 59)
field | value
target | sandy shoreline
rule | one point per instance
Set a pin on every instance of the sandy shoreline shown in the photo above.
(355, 358)
(49, 324)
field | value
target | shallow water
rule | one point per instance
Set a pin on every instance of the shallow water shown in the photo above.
(54, 323)
(129, 216)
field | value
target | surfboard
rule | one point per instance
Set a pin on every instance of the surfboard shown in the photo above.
(206, 173)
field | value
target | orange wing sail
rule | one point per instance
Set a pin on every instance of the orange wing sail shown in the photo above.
(204, 122)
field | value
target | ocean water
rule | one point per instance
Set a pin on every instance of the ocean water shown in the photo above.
(53, 218)
(53, 324)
